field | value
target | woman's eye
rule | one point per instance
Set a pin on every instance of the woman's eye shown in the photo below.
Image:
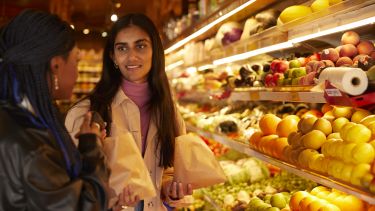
(141, 46)
(122, 48)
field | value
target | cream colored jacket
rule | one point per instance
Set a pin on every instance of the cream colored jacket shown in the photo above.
(126, 117)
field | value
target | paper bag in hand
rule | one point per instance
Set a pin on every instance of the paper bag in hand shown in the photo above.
(127, 166)
(195, 163)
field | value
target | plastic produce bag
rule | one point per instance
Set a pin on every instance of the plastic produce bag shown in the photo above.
(195, 163)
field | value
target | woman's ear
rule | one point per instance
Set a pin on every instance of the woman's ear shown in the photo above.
(55, 63)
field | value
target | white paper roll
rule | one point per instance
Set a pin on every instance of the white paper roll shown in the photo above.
(349, 80)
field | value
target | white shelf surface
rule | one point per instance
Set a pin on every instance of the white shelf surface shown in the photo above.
(307, 174)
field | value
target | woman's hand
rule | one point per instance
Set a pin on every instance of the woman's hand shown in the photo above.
(126, 199)
(176, 190)
(91, 127)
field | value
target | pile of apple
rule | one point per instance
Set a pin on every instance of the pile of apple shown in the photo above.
(324, 199)
(351, 51)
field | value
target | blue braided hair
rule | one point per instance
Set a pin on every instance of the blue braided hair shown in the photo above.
(27, 44)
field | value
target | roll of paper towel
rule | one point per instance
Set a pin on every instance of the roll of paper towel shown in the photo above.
(349, 80)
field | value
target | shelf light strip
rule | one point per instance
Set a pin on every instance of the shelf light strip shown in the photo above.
(207, 27)
(341, 28)
(292, 42)
(249, 54)
(174, 65)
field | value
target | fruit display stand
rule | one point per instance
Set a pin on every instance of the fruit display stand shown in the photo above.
(279, 41)
(297, 170)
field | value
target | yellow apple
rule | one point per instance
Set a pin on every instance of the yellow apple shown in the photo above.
(323, 125)
(329, 116)
(344, 129)
(353, 203)
(358, 134)
(359, 114)
(342, 111)
(347, 152)
(305, 156)
(338, 123)
(296, 198)
(315, 162)
(363, 153)
(346, 172)
(366, 180)
(304, 203)
(367, 120)
(334, 136)
(329, 207)
(316, 205)
(371, 127)
(358, 172)
(314, 139)
(318, 189)
(305, 124)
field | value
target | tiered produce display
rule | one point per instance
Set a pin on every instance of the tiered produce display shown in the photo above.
(230, 77)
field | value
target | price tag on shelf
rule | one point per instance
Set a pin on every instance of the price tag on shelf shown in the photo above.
(294, 96)
(254, 95)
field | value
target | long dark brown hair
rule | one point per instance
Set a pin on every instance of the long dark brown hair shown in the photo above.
(161, 103)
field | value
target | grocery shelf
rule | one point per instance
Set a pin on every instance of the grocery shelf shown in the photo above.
(304, 173)
(343, 16)
(209, 25)
(255, 94)
(291, 96)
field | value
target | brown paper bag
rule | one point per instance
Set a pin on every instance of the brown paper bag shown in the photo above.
(127, 166)
(195, 163)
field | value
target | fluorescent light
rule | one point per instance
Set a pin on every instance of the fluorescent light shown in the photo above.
(205, 67)
(207, 27)
(191, 70)
(249, 54)
(174, 65)
(335, 30)
(114, 17)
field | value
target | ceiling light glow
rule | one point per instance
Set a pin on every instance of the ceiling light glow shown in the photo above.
(114, 17)
(86, 31)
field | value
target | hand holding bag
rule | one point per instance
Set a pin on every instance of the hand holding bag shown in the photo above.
(195, 163)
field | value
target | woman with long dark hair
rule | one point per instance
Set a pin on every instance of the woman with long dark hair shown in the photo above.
(40, 168)
(133, 95)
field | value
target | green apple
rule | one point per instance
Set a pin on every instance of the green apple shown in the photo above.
(294, 63)
(298, 72)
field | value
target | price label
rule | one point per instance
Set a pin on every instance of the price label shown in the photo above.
(295, 96)
(254, 95)
(333, 92)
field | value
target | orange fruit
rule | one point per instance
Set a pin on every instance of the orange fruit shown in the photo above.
(286, 126)
(255, 138)
(268, 124)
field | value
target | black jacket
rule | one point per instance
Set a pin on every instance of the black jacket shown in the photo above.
(33, 174)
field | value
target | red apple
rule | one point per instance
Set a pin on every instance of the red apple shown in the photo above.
(348, 50)
(350, 37)
(330, 54)
(365, 47)
(344, 62)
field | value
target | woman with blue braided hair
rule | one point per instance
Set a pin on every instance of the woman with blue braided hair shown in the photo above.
(40, 167)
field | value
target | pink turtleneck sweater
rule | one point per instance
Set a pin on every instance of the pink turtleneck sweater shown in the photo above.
(140, 95)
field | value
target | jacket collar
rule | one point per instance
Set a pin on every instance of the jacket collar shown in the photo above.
(119, 98)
